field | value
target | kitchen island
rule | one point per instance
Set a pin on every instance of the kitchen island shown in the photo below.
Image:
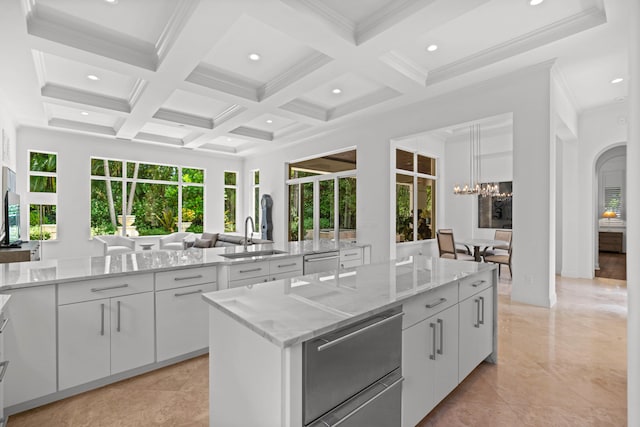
(258, 336)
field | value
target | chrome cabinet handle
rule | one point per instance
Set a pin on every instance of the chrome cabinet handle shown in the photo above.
(286, 265)
(434, 304)
(432, 356)
(118, 323)
(337, 341)
(199, 276)
(102, 319)
(478, 283)
(4, 323)
(441, 323)
(126, 285)
(251, 270)
(181, 294)
(4, 365)
(321, 259)
(481, 320)
(352, 254)
(477, 303)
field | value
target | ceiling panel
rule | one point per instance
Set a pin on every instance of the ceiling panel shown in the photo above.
(178, 132)
(356, 11)
(55, 111)
(352, 87)
(276, 123)
(190, 103)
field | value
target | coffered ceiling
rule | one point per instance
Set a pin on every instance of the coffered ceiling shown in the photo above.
(239, 76)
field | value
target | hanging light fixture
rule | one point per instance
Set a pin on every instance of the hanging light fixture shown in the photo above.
(474, 186)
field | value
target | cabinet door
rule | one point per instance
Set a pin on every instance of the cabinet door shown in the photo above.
(418, 371)
(132, 332)
(476, 331)
(182, 320)
(83, 342)
(446, 370)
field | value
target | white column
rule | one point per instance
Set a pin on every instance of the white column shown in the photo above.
(633, 221)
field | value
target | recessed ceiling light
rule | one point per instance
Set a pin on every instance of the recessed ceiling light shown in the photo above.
(84, 113)
(535, 2)
(93, 77)
(269, 121)
(254, 57)
(432, 48)
(111, 1)
(337, 91)
(617, 80)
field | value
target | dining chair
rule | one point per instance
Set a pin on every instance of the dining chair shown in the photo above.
(461, 249)
(501, 260)
(447, 247)
(504, 235)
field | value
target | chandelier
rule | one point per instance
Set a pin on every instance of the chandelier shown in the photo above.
(474, 187)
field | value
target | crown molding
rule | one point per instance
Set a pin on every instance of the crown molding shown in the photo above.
(183, 118)
(406, 66)
(216, 148)
(343, 26)
(177, 21)
(228, 114)
(77, 96)
(136, 92)
(289, 130)
(570, 25)
(306, 108)
(39, 65)
(385, 17)
(80, 126)
(144, 136)
(252, 133)
(361, 103)
(53, 25)
(226, 82)
(292, 74)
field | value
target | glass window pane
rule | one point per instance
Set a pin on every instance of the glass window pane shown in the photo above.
(154, 209)
(106, 204)
(154, 172)
(404, 160)
(42, 162)
(193, 209)
(426, 195)
(98, 167)
(294, 217)
(404, 208)
(193, 175)
(256, 177)
(347, 208)
(256, 208)
(426, 165)
(42, 184)
(306, 215)
(326, 209)
(229, 178)
(229, 209)
(42, 222)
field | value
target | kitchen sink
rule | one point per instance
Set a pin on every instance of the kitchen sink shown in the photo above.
(250, 254)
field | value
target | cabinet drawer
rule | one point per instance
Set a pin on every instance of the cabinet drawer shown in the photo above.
(350, 263)
(248, 281)
(426, 305)
(474, 284)
(350, 254)
(285, 265)
(248, 270)
(104, 288)
(185, 277)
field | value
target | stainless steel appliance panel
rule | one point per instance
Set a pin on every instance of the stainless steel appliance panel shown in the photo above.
(317, 263)
(377, 406)
(338, 365)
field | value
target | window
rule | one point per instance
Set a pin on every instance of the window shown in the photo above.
(43, 187)
(256, 198)
(415, 194)
(139, 199)
(322, 198)
(613, 200)
(230, 193)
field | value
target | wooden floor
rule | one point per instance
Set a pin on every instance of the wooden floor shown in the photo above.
(612, 265)
(560, 367)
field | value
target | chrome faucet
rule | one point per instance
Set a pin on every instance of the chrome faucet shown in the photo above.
(253, 228)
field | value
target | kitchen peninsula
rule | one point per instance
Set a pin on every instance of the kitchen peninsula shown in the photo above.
(78, 324)
(267, 341)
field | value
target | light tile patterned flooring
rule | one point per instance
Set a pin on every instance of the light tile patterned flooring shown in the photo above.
(560, 367)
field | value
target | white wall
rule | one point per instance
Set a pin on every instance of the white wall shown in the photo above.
(74, 185)
(525, 93)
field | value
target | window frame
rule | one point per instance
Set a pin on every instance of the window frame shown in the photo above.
(255, 206)
(39, 198)
(235, 187)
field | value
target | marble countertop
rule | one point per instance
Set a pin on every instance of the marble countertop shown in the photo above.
(290, 311)
(4, 299)
(37, 273)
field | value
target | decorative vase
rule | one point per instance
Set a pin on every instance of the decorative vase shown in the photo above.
(185, 225)
(130, 220)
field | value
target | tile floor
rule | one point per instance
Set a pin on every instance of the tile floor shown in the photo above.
(560, 367)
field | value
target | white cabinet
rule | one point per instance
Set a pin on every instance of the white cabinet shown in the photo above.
(476, 331)
(181, 314)
(30, 344)
(250, 273)
(4, 364)
(350, 257)
(429, 364)
(104, 336)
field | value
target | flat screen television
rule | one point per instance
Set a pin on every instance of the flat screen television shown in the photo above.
(11, 219)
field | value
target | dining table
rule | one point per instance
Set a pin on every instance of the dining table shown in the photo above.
(481, 243)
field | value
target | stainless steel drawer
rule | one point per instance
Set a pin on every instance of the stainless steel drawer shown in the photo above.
(283, 265)
(338, 365)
